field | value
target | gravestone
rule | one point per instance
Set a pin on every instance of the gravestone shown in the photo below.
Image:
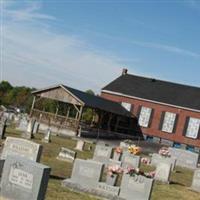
(129, 160)
(36, 127)
(85, 176)
(66, 155)
(162, 173)
(107, 190)
(136, 187)
(115, 162)
(124, 145)
(23, 124)
(156, 159)
(47, 136)
(102, 153)
(21, 147)
(196, 181)
(28, 134)
(80, 145)
(117, 156)
(23, 179)
(184, 158)
(3, 128)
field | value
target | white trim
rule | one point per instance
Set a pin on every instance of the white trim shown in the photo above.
(152, 101)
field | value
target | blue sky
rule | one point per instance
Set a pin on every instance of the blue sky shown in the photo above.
(85, 44)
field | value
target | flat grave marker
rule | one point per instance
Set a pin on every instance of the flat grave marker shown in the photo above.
(66, 155)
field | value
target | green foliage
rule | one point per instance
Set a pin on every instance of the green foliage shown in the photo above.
(87, 112)
(16, 96)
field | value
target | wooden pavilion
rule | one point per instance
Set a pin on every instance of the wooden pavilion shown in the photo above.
(69, 106)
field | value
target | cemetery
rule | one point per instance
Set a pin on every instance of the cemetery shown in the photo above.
(76, 168)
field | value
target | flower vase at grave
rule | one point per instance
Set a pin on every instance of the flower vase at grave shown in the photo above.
(111, 179)
(117, 156)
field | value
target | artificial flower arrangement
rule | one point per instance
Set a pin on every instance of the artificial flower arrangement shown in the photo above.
(118, 150)
(135, 150)
(136, 171)
(164, 151)
(114, 169)
(146, 161)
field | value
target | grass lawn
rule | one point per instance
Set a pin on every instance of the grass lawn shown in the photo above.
(178, 189)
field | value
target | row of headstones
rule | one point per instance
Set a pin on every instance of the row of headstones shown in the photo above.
(178, 157)
(87, 174)
(22, 176)
(129, 185)
(91, 170)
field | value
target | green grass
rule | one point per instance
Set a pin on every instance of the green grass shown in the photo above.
(178, 189)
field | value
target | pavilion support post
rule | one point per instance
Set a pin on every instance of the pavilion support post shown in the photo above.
(56, 113)
(32, 107)
(68, 110)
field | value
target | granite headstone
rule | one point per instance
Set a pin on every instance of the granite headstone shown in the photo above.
(23, 179)
(136, 187)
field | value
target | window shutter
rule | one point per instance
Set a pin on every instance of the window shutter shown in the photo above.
(186, 125)
(175, 123)
(161, 120)
(151, 118)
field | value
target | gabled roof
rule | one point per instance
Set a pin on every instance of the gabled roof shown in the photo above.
(91, 101)
(156, 90)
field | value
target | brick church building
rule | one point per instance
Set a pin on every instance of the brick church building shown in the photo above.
(168, 113)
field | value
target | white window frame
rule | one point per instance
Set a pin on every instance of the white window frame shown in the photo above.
(192, 130)
(169, 122)
(145, 115)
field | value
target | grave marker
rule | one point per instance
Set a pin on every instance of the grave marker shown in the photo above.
(21, 147)
(85, 175)
(163, 171)
(184, 158)
(196, 181)
(47, 136)
(102, 153)
(156, 159)
(129, 160)
(66, 155)
(137, 187)
(80, 145)
(23, 179)
(3, 128)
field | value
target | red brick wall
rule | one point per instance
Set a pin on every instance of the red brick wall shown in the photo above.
(153, 130)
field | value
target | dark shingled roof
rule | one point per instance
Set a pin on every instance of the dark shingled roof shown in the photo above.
(92, 101)
(99, 102)
(156, 90)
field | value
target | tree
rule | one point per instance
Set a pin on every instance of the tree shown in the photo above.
(87, 112)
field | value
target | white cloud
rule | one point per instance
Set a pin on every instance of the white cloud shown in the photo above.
(35, 56)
